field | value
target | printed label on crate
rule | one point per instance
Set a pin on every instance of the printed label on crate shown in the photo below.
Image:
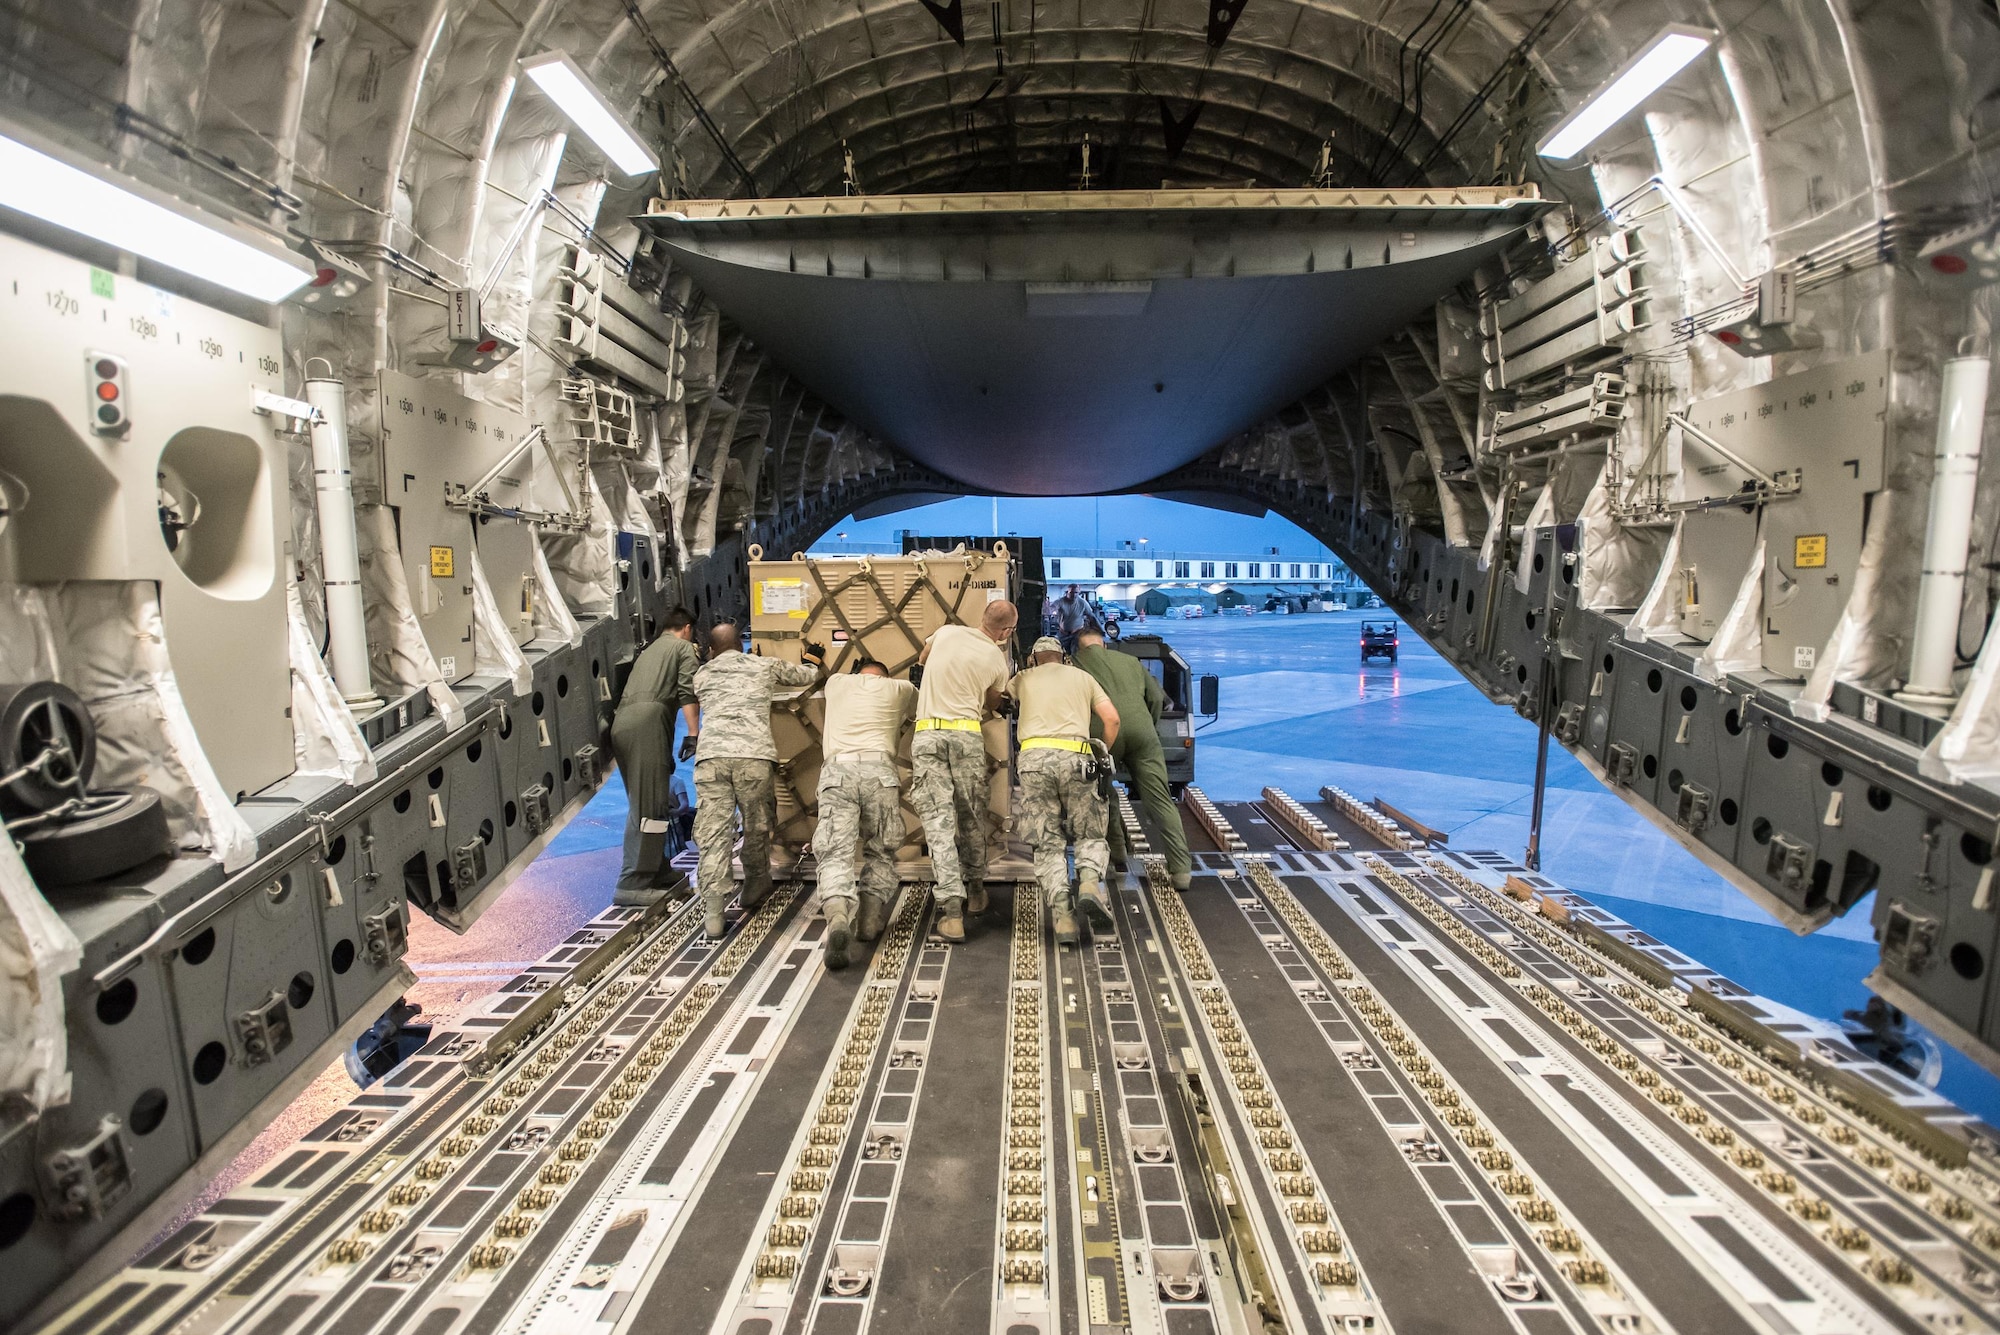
(443, 563)
(780, 597)
(1804, 656)
(1809, 551)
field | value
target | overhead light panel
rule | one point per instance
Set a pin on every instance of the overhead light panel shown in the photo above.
(46, 182)
(1672, 50)
(564, 84)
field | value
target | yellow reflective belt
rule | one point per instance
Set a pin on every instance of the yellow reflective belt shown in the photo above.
(951, 724)
(1054, 744)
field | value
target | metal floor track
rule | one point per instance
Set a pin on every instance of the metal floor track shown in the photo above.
(1347, 1082)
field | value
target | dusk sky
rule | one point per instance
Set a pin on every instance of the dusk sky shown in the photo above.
(1089, 522)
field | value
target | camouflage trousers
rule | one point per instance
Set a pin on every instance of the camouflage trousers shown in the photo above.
(722, 788)
(1060, 804)
(860, 827)
(948, 789)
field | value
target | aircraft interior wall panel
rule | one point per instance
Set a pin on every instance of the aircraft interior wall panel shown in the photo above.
(1940, 946)
(644, 590)
(1466, 591)
(580, 683)
(1831, 425)
(1520, 625)
(364, 917)
(566, 722)
(1638, 711)
(127, 1067)
(471, 794)
(507, 553)
(436, 443)
(529, 739)
(1788, 797)
(1715, 551)
(1590, 686)
(93, 503)
(247, 988)
(1704, 762)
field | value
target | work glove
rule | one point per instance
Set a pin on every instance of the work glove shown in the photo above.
(688, 744)
(1103, 768)
(814, 653)
(1008, 707)
(916, 674)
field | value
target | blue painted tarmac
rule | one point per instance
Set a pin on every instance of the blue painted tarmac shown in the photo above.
(1299, 709)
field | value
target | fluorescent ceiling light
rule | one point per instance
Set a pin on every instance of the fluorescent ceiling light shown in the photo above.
(45, 182)
(565, 85)
(1672, 49)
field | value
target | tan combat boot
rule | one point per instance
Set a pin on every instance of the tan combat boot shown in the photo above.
(1065, 923)
(1094, 904)
(951, 919)
(839, 934)
(975, 897)
(873, 918)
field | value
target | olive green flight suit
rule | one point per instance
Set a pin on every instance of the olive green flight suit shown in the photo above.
(1139, 700)
(642, 739)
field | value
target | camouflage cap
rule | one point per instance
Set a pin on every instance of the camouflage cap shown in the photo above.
(1048, 644)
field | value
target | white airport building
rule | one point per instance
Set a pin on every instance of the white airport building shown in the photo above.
(1124, 575)
(1128, 570)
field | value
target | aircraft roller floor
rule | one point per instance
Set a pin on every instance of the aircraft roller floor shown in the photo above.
(1346, 1082)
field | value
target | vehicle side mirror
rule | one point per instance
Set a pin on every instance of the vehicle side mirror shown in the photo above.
(1211, 695)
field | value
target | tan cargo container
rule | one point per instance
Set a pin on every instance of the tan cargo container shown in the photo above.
(883, 607)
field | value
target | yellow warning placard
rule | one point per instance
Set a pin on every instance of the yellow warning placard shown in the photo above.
(778, 597)
(1809, 551)
(443, 563)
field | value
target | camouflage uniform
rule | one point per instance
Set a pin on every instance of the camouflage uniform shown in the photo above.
(735, 768)
(1060, 805)
(860, 812)
(948, 789)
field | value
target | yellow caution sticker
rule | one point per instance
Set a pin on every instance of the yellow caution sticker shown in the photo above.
(1809, 551)
(778, 597)
(443, 562)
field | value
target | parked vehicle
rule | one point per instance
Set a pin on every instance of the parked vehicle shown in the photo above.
(1378, 640)
(1188, 697)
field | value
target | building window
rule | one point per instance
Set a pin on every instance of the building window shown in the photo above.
(1055, 569)
(1256, 569)
(1314, 572)
(1208, 570)
(1180, 570)
(1125, 569)
(1229, 570)
(1295, 570)
(1159, 570)
(1100, 570)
